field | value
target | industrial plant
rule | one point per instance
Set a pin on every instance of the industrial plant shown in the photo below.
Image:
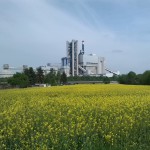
(9, 71)
(79, 64)
(75, 63)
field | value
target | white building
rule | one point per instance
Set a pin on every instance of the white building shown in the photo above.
(8, 71)
(72, 56)
(46, 69)
(73, 64)
(80, 64)
(65, 66)
(91, 65)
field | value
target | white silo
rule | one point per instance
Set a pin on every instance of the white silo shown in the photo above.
(6, 66)
(64, 65)
(72, 55)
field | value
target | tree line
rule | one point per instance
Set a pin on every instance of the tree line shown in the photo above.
(129, 78)
(29, 78)
(135, 79)
(104, 79)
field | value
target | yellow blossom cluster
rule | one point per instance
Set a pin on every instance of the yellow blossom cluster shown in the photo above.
(82, 117)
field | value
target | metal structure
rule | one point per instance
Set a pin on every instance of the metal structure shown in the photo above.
(114, 73)
(90, 64)
(80, 64)
(72, 55)
(74, 64)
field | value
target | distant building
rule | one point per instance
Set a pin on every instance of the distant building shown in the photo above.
(8, 71)
(91, 65)
(73, 64)
(46, 69)
(72, 56)
(65, 66)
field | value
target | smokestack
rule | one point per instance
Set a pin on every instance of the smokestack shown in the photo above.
(82, 47)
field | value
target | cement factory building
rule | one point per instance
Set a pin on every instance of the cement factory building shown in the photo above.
(9, 71)
(78, 64)
(75, 63)
(72, 56)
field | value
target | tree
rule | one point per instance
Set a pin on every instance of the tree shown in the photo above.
(131, 78)
(26, 71)
(122, 79)
(145, 78)
(64, 78)
(19, 79)
(58, 77)
(31, 75)
(39, 75)
(106, 80)
(51, 78)
(138, 79)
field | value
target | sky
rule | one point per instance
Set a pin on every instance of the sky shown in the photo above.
(34, 32)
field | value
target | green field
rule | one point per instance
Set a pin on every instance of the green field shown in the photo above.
(88, 117)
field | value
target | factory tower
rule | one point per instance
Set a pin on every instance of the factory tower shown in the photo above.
(75, 63)
(72, 56)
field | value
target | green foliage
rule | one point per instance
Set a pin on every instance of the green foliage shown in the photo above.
(54, 78)
(145, 78)
(64, 78)
(31, 75)
(58, 77)
(51, 78)
(106, 80)
(4, 83)
(80, 117)
(85, 78)
(122, 79)
(3, 80)
(19, 79)
(132, 78)
(39, 75)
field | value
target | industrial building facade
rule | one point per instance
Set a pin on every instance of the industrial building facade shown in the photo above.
(75, 63)
(72, 56)
(9, 71)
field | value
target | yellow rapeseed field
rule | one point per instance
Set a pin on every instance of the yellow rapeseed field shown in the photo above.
(87, 117)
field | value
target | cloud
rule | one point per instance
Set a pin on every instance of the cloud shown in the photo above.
(34, 32)
(117, 51)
